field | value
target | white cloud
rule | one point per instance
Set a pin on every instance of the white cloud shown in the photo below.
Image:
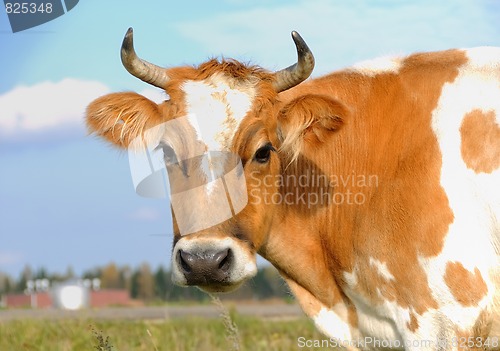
(343, 32)
(51, 111)
(45, 108)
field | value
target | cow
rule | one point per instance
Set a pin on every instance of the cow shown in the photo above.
(374, 190)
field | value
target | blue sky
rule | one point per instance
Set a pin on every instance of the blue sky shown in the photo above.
(67, 198)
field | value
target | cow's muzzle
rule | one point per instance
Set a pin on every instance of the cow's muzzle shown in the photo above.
(201, 268)
(213, 263)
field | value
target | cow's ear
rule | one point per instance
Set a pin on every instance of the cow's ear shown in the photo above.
(120, 117)
(309, 120)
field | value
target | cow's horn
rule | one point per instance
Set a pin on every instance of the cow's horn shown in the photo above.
(291, 76)
(139, 68)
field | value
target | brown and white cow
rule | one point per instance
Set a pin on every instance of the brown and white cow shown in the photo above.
(374, 190)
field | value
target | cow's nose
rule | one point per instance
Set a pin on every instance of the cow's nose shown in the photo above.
(204, 267)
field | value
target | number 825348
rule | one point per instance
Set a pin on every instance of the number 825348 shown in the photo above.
(27, 7)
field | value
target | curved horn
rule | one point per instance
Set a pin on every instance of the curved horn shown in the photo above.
(139, 68)
(291, 76)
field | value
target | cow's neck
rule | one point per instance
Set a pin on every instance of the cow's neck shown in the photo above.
(304, 220)
(296, 249)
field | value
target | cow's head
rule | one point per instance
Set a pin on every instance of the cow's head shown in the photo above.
(241, 108)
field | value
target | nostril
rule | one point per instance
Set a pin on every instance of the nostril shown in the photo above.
(225, 260)
(184, 258)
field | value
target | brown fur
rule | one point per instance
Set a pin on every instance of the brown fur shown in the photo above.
(480, 141)
(457, 277)
(120, 117)
(309, 120)
(380, 137)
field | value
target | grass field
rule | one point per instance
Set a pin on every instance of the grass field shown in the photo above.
(181, 334)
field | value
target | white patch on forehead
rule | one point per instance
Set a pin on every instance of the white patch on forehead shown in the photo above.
(218, 104)
(385, 64)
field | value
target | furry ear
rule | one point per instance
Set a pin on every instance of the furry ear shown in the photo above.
(309, 120)
(121, 117)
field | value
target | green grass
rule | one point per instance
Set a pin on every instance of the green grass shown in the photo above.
(178, 334)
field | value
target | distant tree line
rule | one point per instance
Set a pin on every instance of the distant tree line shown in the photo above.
(149, 285)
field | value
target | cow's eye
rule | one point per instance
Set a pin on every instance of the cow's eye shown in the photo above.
(264, 153)
(168, 153)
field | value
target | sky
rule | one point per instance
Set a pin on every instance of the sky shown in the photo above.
(66, 198)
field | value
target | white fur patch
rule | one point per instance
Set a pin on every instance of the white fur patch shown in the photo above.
(382, 268)
(219, 105)
(384, 64)
(333, 325)
(374, 321)
(473, 198)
